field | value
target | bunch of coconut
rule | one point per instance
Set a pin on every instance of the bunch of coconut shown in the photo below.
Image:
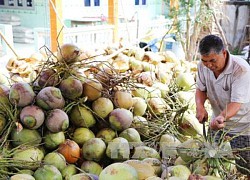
(87, 117)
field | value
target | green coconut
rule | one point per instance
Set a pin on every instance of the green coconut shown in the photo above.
(189, 125)
(81, 117)
(21, 94)
(25, 136)
(119, 171)
(31, 155)
(140, 90)
(185, 81)
(106, 134)
(92, 89)
(57, 120)
(56, 159)
(189, 150)
(118, 149)
(50, 98)
(142, 152)
(131, 134)
(179, 171)
(120, 119)
(94, 149)
(168, 144)
(71, 88)
(186, 98)
(53, 140)
(69, 171)
(32, 116)
(139, 106)
(91, 167)
(81, 135)
(102, 107)
(22, 177)
(123, 99)
(48, 172)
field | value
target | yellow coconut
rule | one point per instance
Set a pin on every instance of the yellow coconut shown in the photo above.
(123, 99)
(144, 170)
(68, 53)
(92, 89)
(102, 107)
(155, 163)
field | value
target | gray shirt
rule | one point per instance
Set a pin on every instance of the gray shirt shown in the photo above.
(232, 85)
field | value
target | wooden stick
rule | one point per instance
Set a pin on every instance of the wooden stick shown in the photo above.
(8, 44)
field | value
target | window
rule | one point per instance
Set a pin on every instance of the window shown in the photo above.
(137, 2)
(97, 3)
(87, 3)
(17, 4)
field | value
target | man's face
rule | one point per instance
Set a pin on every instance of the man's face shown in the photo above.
(215, 62)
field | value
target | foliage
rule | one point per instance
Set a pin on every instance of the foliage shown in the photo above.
(190, 19)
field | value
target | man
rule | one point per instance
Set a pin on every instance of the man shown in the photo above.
(224, 80)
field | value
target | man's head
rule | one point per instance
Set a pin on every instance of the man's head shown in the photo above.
(213, 53)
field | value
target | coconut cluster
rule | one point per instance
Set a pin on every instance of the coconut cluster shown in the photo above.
(91, 113)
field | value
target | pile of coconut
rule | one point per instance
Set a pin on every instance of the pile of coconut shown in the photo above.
(106, 114)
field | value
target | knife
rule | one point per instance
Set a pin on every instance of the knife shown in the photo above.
(204, 129)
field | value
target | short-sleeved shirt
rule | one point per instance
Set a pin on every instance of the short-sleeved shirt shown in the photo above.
(232, 85)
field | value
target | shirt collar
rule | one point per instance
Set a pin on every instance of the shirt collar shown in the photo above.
(229, 67)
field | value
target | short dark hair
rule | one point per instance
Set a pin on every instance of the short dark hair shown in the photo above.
(211, 43)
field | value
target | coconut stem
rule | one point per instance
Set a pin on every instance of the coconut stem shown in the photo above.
(8, 44)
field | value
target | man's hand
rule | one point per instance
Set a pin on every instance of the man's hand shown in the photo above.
(201, 114)
(217, 123)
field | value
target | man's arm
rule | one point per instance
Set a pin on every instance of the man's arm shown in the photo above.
(231, 109)
(200, 98)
